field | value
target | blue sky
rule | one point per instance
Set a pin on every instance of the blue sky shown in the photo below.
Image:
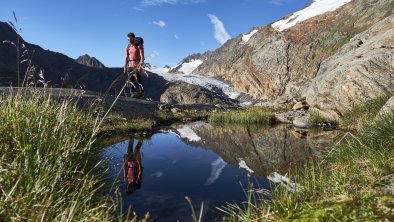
(172, 29)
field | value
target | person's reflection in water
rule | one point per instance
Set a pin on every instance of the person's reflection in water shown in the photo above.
(132, 166)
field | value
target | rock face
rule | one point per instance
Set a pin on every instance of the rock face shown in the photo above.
(183, 93)
(361, 70)
(277, 65)
(387, 109)
(89, 61)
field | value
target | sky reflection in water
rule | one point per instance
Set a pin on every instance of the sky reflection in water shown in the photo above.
(172, 170)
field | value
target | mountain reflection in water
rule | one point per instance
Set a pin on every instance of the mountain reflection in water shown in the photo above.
(264, 150)
(209, 169)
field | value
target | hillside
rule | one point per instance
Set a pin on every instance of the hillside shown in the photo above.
(278, 64)
(61, 71)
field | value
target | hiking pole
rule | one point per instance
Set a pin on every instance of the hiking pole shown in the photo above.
(117, 79)
(105, 115)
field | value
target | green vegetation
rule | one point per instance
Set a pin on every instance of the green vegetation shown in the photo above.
(47, 164)
(316, 118)
(178, 115)
(254, 115)
(115, 124)
(362, 114)
(345, 186)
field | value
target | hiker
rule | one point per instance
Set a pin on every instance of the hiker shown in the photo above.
(134, 61)
(132, 166)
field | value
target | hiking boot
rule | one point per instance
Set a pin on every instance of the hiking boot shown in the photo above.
(139, 95)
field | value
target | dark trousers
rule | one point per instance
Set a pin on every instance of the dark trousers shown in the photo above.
(135, 77)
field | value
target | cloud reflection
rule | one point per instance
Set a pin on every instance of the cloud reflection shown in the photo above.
(216, 169)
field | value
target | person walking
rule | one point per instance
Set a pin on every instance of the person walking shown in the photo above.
(133, 63)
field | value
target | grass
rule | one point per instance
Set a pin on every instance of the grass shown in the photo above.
(115, 124)
(254, 115)
(316, 118)
(47, 166)
(343, 187)
(164, 117)
(362, 114)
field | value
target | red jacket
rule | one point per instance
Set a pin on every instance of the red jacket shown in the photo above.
(132, 171)
(133, 53)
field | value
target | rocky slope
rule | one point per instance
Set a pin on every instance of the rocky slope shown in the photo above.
(183, 93)
(89, 61)
(279, 65)
(361, 70)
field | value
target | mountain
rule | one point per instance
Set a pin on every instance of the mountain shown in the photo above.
(89, 61)
(64, 72)
(188, 64)
(287, 60)
(58, 69)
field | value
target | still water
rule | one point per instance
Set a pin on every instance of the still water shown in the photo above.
(207, 164)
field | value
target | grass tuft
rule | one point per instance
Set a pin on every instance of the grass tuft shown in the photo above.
(46, 167)
(255, 115)
(345, 186)
(362, 114)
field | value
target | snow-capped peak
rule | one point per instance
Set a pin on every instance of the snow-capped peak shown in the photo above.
(318, 7)
(188, 67)
(246, 37)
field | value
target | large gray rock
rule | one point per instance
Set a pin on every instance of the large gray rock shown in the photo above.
(362, 70)
(388, 108)
(184, 93)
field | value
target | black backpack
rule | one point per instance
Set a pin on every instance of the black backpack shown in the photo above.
(139, 41)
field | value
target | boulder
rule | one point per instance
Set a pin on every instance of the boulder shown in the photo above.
(388, 108)
(184, 93)
(357, 73)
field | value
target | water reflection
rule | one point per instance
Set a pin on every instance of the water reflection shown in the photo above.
(172, 170)
(262, 150)
(132, 166)
(178, 164)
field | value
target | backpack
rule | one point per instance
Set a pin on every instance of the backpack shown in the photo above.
(137, 41)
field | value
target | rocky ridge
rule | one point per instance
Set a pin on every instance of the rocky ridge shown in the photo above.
(89, 61)
(282, 65)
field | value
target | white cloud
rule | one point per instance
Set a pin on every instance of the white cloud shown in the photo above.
(280, 2)
(220, 32)
(176, 36)
(146, 3)
(159, 23)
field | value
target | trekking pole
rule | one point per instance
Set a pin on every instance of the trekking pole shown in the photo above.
(105, 115)
(117, 79)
